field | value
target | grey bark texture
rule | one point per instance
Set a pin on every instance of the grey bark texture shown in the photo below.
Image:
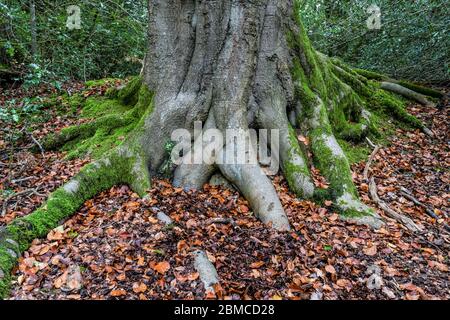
(226, 64)
(229, 64)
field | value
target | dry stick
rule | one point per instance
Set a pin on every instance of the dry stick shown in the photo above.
(221, 221)
(409, 196)
(428, 211)
(37, 143)
(407, 222)
(21, 193)
(22, 179)
(371, 143)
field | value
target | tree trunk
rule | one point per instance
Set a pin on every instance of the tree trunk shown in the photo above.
(230, 65)
(241, 65)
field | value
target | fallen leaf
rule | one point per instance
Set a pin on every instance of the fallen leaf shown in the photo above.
(162, 267)
(330, 269)
(118, 293)
(257, 265)
(370, 251)
(139, 287)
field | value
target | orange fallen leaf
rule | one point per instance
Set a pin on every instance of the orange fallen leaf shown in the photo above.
(256, 265)
(244, 209)
(439, 266)
(118, 293)
(303, 139)
(370, 251)
(330, 269)
(162, 267)
(139, 287)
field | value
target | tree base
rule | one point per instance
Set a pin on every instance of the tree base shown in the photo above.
(274, 80)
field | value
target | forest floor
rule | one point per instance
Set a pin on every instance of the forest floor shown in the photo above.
(114, 247)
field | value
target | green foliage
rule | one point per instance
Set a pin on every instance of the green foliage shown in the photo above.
(412, 43)
(111, 41)
(15, 111)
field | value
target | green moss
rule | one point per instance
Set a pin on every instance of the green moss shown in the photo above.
(104, 139)
(114, 122)
(296, 170)
(355, 152)
(371, 75)
(99, 106)
(335, 168)
(100, 82)
(395, 106)
(352, 213)
(129, 94)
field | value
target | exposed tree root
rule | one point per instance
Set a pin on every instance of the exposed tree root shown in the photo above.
(412, 86)
(207, 271)
(407, 93)
(369, 163)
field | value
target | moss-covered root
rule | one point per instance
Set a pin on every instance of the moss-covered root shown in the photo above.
(407, 93)
(412, 86)
(85, 131)
(119, 166)
(333, 164)
(294, 165)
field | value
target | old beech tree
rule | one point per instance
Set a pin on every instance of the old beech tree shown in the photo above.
(231, 64)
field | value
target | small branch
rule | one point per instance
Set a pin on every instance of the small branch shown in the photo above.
(21, 193)
(15, 181)
(37, 143)
(221, 221)
(410, 197)
(370, 143)
(407, 222)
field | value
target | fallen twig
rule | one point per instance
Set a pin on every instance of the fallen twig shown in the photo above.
(21, 193)
(409, 196)
(15, 181)
(37, 143)
(221, 221)
(407, 222)
(370, 143)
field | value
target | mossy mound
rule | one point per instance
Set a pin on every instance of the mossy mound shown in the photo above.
(110, 119)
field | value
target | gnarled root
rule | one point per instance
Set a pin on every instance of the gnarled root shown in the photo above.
(407, 93)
